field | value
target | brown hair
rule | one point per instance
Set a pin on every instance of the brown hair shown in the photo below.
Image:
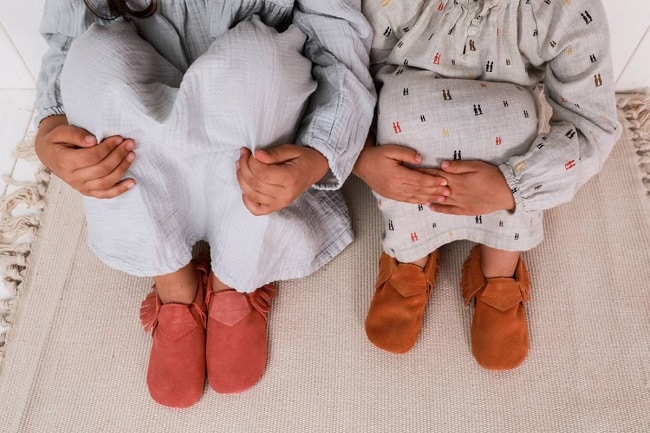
(120, 8)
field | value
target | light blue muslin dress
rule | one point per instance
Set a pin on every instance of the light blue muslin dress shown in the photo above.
(192, 85)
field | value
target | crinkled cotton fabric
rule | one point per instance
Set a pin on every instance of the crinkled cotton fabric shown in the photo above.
(455, 83)
(192, 85)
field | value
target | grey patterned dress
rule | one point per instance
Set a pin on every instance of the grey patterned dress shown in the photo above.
(456, 80)
(192, 85)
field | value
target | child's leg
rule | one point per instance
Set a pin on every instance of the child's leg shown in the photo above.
(236, 341)
(498, 263)
(499, 284)
(401, 295)
(178, 287)
(421, 262)
(136, 81)
(140, 232)
(175, 312)
(263, 84)
(416, 105)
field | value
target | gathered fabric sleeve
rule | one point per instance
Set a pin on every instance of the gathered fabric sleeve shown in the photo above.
(62, 21)
(340, 110)
(571, 44)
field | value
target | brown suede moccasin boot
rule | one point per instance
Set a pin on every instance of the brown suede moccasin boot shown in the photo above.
(401, 294)
(176, 372)
(236, 345)
(499, 333)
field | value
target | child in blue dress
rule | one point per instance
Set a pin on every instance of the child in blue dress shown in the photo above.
(246, 118)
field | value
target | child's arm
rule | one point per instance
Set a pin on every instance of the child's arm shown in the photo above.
(573, 47)
(72, 154)
(383, 169)
(272, 179)
(94, 169)
(340, 111)
(387, 169)
(337, 118)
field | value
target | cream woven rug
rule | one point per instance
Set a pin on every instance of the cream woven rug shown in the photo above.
(76, 356)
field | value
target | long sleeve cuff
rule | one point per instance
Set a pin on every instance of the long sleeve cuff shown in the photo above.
(47, 112)
(515, 188)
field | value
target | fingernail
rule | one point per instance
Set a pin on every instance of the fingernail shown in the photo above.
(130, 185)
(237, 164)
(444, 164)
(130, 157)
(440, 199)
(443, 183)
(130, 145)
(418, 158)
(89, 139)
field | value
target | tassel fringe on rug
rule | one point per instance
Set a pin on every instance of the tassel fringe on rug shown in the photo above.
(636, 110)
(17, 233)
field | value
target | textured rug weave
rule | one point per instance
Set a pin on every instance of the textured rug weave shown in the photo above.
(76, 356)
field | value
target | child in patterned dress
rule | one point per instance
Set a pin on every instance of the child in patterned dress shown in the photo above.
(461, 155)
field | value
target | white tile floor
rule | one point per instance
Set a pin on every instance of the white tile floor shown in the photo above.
(21, 49)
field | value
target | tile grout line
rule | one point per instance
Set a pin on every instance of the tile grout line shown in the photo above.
(27, 127)
(635, 52)
(22, 59)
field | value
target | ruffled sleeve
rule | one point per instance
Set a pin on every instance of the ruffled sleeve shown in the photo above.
(340, 110)
(570, 42)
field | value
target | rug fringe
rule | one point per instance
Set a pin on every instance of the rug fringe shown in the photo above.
(17, 233)
(636, 109)
(25, 149)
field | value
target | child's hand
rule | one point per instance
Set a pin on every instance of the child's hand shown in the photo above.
(272, 179)
(383, 169)
(476, 188)
(94, 169)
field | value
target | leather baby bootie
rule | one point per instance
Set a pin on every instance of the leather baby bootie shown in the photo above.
(397, 309)
(499, 332)
(176, 372)
(236, 346)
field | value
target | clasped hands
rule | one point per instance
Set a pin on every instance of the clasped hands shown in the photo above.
(272, 179)
(269, 179)
(457, 188)
(95, 169)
